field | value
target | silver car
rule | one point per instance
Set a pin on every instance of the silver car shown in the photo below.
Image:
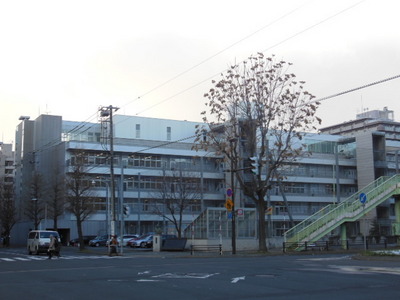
(142, 242)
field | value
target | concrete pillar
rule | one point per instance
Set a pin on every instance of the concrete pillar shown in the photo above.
(156, 243)
(396, 224)
(343, 235)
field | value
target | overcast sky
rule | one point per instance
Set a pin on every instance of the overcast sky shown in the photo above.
(157, 58)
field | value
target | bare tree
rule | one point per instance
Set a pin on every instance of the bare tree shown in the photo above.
(258, 109)
(177, 193)
(8, 215)
(56, 201)
(79, 198)
(34, 206)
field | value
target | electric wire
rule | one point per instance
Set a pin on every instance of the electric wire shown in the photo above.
(263, 51)
(82, 125)
(216, 54)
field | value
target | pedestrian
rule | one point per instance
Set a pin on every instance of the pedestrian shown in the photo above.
(57, 246)
(52, 246)
(113, 245)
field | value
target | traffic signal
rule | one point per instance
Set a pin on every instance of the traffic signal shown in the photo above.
(126, 210)
(255, 166)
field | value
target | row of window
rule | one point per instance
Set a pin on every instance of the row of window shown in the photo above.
(147, 161)
(91, 136)
(158, 184)
(313, 189)
(150, 206)
(322, 171)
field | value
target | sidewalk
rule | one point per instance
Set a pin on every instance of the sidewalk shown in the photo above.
(126, 251)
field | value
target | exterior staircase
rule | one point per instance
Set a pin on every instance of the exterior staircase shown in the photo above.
(330, 217)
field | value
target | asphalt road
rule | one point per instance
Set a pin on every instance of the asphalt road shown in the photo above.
(147, 275)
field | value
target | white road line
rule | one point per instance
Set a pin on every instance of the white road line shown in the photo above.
(236, 279)
(6, 259)
(36, 258)
(21, 258)
(185, 275)
(148, 280)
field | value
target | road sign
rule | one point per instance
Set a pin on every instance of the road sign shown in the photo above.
(229, 204)
(229, 192)
(363, 198)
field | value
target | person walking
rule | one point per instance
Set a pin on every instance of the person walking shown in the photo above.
(52, 246)
(113, 245)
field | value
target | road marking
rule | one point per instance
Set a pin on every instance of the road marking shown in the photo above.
(148, 280)
(185, 275)
(145, 272)
(54, 270)
(117, 280)
(36, 258)
(366, 270)
(236, 279)
(324, 258)
(21, 258)
(6, 259)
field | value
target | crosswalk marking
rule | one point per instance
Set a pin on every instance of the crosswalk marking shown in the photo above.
(21, 258)
(6, 259)
(69, 257)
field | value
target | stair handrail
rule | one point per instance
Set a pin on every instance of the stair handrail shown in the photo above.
(327, 213)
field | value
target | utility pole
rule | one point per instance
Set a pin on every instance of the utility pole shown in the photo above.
(107, 112)
(233, 142)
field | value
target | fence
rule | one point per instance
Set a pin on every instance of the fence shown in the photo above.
(338, 245)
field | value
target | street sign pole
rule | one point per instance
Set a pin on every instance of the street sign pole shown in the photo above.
(363, 200)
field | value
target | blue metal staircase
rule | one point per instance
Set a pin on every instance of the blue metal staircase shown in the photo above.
(330, 217)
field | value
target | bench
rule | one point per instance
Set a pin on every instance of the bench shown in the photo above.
(206, 248)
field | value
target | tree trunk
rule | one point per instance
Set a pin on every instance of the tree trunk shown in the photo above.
(80, 235)
(262, 238)
(55, 223)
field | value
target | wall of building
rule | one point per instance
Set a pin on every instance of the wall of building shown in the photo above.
(310, 183)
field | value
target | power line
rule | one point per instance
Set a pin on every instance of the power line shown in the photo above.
(82, 124)
(356, 89)
(214, 55)
(265, 50)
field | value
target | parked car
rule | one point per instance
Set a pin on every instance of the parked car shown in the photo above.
(141, 241)
(131, 241)
(126, 238)
(164, 237)
(86, 240)
(100, 240)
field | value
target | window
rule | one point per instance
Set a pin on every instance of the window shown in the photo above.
(168, 133)
(91, 137)
(138, 131)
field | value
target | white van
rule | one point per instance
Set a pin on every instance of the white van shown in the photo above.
(39, 240)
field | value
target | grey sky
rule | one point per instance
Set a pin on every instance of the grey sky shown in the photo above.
(70, 57)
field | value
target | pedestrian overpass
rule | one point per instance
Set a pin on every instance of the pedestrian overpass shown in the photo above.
(352, 209)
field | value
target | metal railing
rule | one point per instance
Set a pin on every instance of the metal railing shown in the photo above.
(332, 246)
(351, 209)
